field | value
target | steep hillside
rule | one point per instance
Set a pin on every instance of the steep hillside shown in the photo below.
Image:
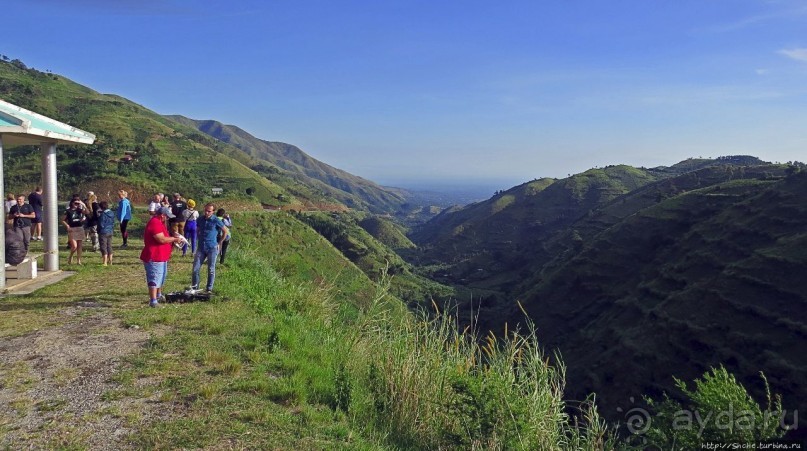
(706, 277)
(374, 257)
(353, 191)
(302, 255)
(387, 232)
(136, 148)
(571, 239)
(689, 267)
(489, 245)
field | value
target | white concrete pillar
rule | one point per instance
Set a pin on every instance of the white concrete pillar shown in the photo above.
(50, 208)
(3, 217)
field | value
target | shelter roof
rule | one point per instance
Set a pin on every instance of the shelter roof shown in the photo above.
(20, 126)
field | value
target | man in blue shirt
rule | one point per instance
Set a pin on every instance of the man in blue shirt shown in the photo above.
(211, 232)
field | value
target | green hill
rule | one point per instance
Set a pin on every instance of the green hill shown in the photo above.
(353, 191)
(374, 257)
(682, 271)
(135, 148)
(489, 245)
(145, 152)
(310, 350)
(387, 232)
(708, 277)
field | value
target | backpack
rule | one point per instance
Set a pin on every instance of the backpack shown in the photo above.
(15, 247)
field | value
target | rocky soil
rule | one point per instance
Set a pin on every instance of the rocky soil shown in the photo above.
(57, 384)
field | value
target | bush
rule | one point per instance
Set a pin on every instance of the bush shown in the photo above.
(719, 410)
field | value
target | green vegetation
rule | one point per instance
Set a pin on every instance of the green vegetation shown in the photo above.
(634, 279)
(726, 411)
(289, 166)
(313, 355)
(634, 274)
(289, 361)
(373, 257)
(136, 148)
(387, 232)
(431, 386)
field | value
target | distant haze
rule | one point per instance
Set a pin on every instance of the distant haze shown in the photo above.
(459, 191)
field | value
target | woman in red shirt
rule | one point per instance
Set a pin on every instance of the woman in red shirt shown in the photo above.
(156, 253)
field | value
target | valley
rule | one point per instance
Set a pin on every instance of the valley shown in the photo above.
(631, 276)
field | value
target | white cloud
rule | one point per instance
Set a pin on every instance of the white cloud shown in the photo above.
(796, 54)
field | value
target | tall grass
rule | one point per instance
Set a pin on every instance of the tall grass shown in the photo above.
(430, 385)
(413, 380)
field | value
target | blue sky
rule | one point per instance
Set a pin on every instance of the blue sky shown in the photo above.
(452, 91)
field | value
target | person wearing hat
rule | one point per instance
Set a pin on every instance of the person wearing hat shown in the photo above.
(191, 215)
(156, 252)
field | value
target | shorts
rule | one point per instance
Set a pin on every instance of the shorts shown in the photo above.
(178, 227)
(105, 243)
(155, 273)
(37, 217)
(76, 233)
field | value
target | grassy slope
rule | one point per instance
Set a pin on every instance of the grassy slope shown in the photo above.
(568, 241)
(308, 356)
(188, 161)
(387, 232)
(374, 257)
(191, 162)
(704, 277)
(491, 245)
(233, 373)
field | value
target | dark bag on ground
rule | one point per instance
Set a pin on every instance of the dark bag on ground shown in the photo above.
(15, 247)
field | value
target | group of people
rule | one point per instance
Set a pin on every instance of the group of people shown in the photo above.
(207, 234)
(173, 222)
(85, 219)
(94, 221)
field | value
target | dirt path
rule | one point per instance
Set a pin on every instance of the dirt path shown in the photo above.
(57, 384)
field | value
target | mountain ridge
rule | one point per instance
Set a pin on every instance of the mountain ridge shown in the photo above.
(685, 272)
(354, 191)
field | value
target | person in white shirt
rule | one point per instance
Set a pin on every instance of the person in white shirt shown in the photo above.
(155, 204)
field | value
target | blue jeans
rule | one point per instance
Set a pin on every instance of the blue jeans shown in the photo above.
(202, 254)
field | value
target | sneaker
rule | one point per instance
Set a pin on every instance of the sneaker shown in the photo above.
(154, 303)
(208, 291)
